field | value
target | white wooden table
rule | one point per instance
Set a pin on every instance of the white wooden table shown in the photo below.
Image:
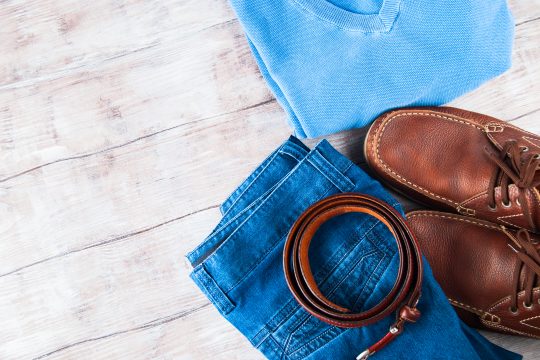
(123, 124)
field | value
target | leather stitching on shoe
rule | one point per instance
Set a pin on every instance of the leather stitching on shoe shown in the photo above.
(395, 175)
(530, 318)
(488, 324)
(474, 198)
(500, 218)
(467, 307)
(455, 217)
(507, 298)
(530, 141)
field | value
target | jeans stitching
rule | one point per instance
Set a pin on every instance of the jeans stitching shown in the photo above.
(341, 177)
(356, 233)
(306, 317)
(212, 291)
(239, 224)
(330, 329)
(282, 181)
(331, 293)
(295, 308)
(384, 248)
(270, 249)
(338, 262)
(368, 281)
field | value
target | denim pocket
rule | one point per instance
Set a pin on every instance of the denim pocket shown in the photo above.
(296, 333)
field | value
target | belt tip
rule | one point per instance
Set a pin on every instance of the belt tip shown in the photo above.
(363, 355)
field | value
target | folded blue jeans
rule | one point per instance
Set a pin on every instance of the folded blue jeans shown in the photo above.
(355, 262)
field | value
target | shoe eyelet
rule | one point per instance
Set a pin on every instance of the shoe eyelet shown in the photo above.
(514, 311)
(507, 205)
(530, 306)
(492, 208)
(524, 148)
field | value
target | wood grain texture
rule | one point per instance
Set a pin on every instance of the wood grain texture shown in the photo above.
(123, 124)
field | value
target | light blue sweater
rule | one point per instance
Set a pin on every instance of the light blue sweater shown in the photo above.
(337, 65)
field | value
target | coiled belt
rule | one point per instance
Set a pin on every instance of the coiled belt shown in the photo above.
(405, 293)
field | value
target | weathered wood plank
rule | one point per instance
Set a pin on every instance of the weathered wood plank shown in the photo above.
(136, 288)
(524, 12)
(510, 95)
(202, 335)
(52, 38)
(114, 288)
(529, 348)
(126, 99)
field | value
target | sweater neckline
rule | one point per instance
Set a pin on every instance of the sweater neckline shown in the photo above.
(348, 20)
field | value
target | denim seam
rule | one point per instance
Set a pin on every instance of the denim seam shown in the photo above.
(283, 180)
(360, 240)
(265, 163)
(330, 329)
(354, 264)
(344, 331)
(216, 232)
(256, 264)
(265, 194)
(212, 290)
(382, 273)
(341, 176)
(340, 260)
(333, 268)
(301, 152)
(247, 208)
(290, 154)
(259, 171)
(293, 309)
(263, 334)
(270, 249)
(330, 293)
(303, 319)
(385, 249)
(275, 345)
(368, 281)
(285, 316)
(232, 221)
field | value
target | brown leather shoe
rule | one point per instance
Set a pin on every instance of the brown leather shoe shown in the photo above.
(461, 161)
(489, 272)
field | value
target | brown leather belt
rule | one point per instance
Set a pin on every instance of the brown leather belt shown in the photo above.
(405, 293)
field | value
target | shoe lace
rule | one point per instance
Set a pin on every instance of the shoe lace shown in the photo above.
(527, 253)
(513, 166)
